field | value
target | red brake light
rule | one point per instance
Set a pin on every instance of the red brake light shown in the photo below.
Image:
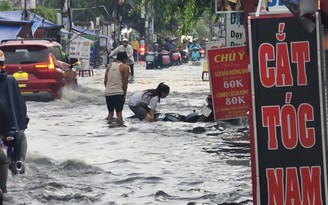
(50, 64)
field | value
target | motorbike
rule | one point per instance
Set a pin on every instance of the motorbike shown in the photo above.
(195, 55)
(184, 55)
(202, 52)
(166, 58)
(150, 60)
(176, 57)
(142, 52)
(204, 115)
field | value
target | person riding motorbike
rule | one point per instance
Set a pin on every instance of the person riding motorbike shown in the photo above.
(158, 55)
(194, 50)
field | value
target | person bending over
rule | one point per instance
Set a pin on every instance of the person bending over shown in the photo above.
(143, 103)
(116, 83)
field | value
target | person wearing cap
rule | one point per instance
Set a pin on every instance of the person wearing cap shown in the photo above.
(12, 106)
(195, 46)
(116, 84)
(125, 47)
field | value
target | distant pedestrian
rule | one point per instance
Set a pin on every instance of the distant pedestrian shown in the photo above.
(135, 47)
(116, 83)
(170, 45)
(125, 47)
(115, 44)
(143, 103)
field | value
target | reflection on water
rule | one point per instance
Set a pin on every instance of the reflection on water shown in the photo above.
(75, 158)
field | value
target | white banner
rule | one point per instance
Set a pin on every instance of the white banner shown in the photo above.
(80, 48)
(235, 30)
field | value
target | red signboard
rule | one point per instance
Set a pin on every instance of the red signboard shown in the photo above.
(289, 148)
(230, 82)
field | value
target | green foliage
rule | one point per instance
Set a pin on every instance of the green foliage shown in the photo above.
(47, 13)
(202, 30)
(52, 3)
(171, 16)
(5, 6)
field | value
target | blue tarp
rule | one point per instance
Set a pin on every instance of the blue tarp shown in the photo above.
(9, 31)
(18, 16)
(83, 31)
(86, 31)
(35, 26)
(50, 28)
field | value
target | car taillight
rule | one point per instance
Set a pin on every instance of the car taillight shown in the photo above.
(50, 64)
(3, 67)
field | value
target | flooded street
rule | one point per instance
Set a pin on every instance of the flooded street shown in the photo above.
(75, 158)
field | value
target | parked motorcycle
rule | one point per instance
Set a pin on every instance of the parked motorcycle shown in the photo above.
(184, 55)
(150, 60)
(142, 52)
(202, 52)
(176, 57)
(166, 59)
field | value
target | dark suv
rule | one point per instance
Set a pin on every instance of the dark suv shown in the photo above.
(39, 65)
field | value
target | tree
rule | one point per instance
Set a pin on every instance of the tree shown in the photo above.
(176, 16)
(5, 6)
(47, 13)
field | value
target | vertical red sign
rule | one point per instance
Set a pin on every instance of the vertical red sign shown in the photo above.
(289, 164)
(230, 82)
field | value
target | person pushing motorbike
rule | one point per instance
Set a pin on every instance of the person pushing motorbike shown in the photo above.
(13, 122)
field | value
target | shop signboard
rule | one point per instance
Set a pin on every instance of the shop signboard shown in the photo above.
(230, 82)
(288, 135)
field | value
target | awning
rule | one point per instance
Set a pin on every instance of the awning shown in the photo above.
(35, 26)
(83, 31)
(50, 29)
(9, 31)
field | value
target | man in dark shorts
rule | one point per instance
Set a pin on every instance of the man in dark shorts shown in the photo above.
(116, 83)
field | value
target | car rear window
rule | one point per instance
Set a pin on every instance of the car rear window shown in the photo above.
(25, 54)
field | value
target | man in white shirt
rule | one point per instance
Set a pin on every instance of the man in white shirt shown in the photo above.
(125, 47)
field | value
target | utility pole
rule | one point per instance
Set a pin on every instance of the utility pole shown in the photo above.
(97, 39)
(116, 24)
(66, 20)
(25, 15)
(67, 17)
(147, 25)
(151, 33)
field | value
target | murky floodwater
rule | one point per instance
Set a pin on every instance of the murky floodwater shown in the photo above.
(75, 158)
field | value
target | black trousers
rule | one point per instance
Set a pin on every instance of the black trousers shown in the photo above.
(132, 70)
